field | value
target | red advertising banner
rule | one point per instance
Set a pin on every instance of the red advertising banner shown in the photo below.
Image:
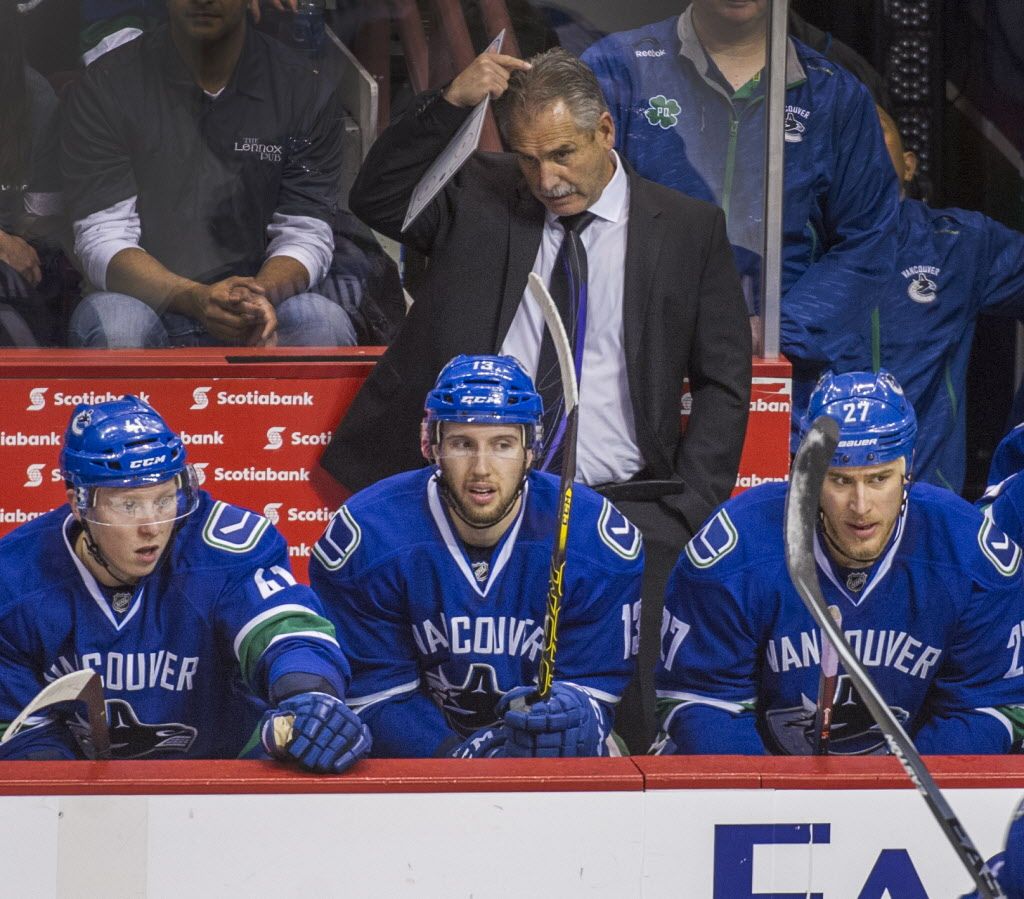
(254, 425)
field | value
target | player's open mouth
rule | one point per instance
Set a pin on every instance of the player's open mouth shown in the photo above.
(147, 554)
(863, 531)
(481, 494)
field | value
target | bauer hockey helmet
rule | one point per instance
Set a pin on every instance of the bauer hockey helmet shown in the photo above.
(484, 390)
(876, 421)
(124, 443)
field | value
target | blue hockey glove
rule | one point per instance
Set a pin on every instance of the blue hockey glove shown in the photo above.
(486, 743)
(564, 725)
(316, 730)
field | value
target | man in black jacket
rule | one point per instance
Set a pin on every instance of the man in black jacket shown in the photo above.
(664, 305)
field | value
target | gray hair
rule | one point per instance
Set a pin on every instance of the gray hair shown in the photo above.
(554, 75)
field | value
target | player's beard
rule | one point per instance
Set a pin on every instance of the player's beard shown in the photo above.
(480, 519)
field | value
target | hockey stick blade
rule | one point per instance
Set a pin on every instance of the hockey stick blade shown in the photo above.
(556, 576)
(563, 349)
(802, 502)
(78, 686)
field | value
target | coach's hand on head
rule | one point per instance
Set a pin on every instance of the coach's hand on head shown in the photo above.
(487, 74)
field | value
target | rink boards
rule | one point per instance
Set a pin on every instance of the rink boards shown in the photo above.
(255, 424)
(728, 828)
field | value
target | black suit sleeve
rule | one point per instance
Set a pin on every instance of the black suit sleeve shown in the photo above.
(393, 167)
(708, 456)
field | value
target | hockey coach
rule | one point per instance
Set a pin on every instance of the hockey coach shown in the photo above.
(662, 303)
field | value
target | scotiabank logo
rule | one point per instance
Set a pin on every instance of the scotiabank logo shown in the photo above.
(253, 474)
(201, 398)
(270, 512)
(34, 475)
(16, 516)
(772, 396)
(21, 439)
(200, 468)
(274, 440)
(216, 438)
(37, 398)
(752, 480)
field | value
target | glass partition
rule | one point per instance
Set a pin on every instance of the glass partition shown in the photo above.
(192, 189)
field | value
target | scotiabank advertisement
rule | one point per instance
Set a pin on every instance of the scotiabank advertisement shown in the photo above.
(256, 441)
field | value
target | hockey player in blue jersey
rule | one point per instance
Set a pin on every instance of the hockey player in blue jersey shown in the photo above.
(1003, 499)
(929, 593)
(688, 96)
(436, 580)
(185, 606)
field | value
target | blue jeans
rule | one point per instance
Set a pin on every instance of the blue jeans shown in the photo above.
(116, 320)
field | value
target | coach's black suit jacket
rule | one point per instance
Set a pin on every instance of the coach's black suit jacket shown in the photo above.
(683, 308)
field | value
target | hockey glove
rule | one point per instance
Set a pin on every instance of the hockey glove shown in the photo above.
(316, 730)
(486, 743)
(566, 724)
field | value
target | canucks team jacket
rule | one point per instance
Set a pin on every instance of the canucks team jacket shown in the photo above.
(188, 656)
(936, 622)
(951, 265)
(681, 128)
(435, 637)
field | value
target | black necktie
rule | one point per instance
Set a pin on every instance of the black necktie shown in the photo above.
(568, 289)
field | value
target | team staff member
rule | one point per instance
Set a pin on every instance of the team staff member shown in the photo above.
(951, 266)
(688, 97)
(929, 592)
(437, 580)
(663, 304)
(201, 163)
(186, 606)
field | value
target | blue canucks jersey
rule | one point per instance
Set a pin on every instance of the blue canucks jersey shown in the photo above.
(679, 125)
(951, 266)
(936, 621)
(1003, 501)
(436, 638)
(186, 657)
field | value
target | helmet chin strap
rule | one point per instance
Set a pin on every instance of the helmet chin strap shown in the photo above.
(453, 505)
(94, 550)
(867, 563)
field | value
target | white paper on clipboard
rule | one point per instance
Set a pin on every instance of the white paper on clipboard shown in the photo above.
(459, 149)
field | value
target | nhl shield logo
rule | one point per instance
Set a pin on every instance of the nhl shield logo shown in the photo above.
(856, 580)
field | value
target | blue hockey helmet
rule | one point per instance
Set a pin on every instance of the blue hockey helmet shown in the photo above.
(485, 390)
(124, 443)
(876, 421)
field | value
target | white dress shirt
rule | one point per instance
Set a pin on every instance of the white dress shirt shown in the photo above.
(607, 451)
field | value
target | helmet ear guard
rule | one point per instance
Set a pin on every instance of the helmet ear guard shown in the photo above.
(876, 421)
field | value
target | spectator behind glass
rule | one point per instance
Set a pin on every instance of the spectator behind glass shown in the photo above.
(951, 266)
(30, 200)
(202, 164)
(688, 96)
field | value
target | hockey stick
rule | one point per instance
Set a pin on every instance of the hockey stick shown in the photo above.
(570, 390)
(826, 688)
(78, 686)
(802, 503)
